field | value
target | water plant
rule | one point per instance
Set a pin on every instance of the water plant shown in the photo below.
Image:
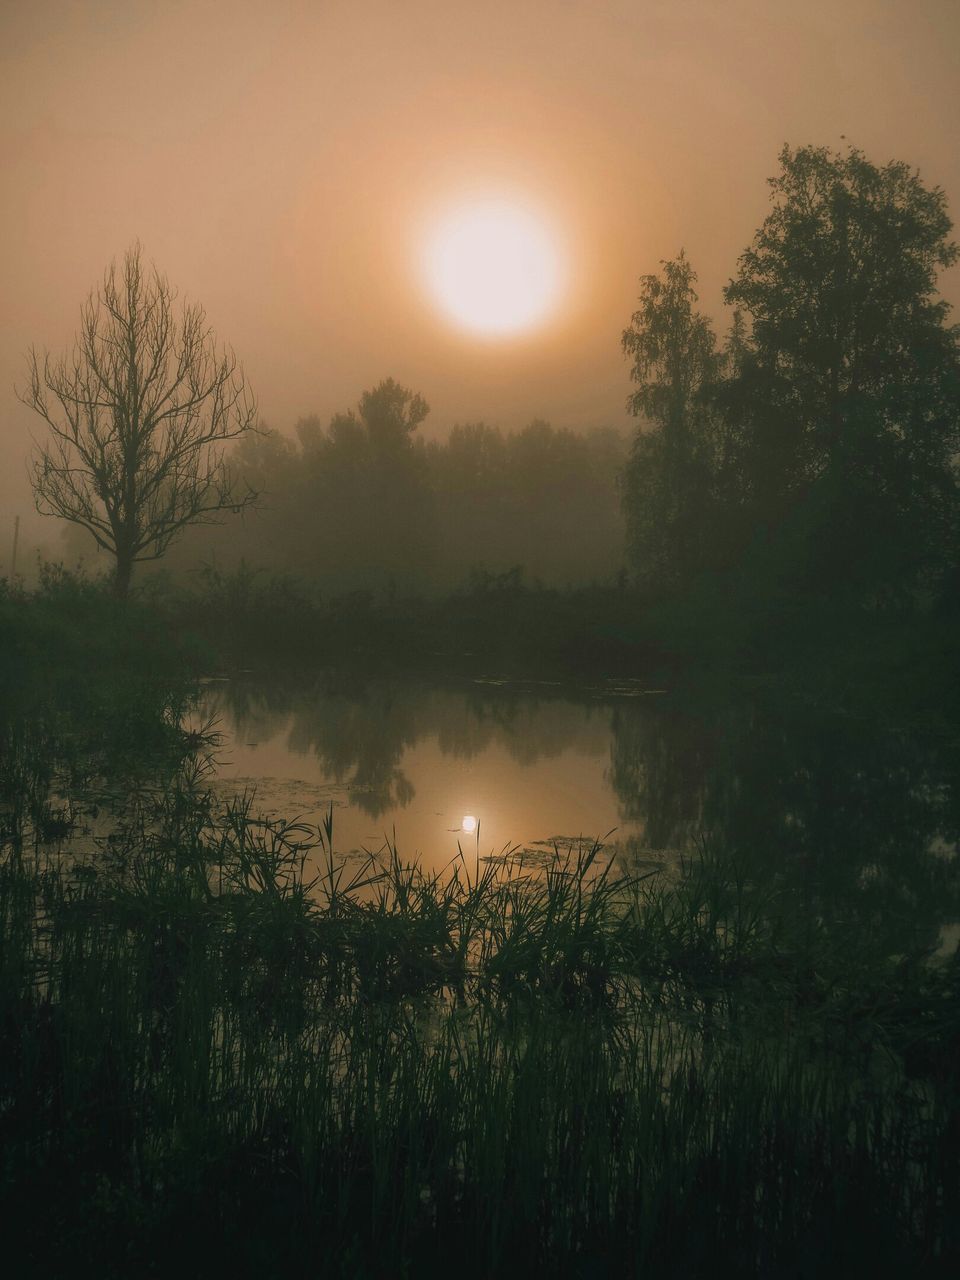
(217, 1032)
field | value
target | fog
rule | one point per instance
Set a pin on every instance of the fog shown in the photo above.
(279, 164)
(490, 792)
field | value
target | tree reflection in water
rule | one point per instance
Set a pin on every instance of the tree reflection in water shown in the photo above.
(848, 810)
(360, 731)
(852, 812)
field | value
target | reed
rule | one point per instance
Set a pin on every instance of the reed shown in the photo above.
(225, 1050)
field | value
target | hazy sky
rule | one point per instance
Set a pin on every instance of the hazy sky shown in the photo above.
(277, 160)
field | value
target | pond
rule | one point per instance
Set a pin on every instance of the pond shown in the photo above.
(778, 988)
(847, 808)
(492, 767)
(860, 813)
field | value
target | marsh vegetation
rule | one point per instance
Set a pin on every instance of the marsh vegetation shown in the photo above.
(226, 1046)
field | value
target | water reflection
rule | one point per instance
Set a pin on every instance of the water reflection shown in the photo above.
(502, 764)
(851, 807)
(361, 733)
(857, 812)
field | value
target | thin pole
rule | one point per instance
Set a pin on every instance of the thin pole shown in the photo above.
(16, 539)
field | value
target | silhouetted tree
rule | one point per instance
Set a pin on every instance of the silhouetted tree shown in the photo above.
(544, 498)
(370, 483)
(270, 464)
(846, 401)
(819, 448)
(673, 463)
(138, 413)
(362, 503)
(391, 414)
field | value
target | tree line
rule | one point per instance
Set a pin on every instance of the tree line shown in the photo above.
(814, 451)
(810, 453)
(365, 503)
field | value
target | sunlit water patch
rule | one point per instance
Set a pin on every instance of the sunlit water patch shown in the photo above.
(488, 769)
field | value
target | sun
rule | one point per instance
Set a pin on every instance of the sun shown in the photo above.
(494, 267)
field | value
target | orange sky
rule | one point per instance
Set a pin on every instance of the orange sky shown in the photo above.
(275, 160)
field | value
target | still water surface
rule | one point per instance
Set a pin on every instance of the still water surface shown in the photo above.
(488, 766)
(846, 805)
(858, 811)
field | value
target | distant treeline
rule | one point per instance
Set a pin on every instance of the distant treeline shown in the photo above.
(364, 503)
(805, 463)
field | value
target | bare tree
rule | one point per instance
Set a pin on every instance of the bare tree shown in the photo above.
(138, 411)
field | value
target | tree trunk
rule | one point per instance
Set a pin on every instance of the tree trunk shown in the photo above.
(124, 571)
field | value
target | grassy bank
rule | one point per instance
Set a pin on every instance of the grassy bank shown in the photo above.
(494, 622)
(504, 624)
(249, 619)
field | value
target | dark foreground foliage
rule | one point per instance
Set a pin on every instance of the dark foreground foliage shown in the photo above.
(494, 622)
(222, 1053)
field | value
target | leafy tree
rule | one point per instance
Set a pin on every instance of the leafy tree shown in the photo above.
(370, 483)
(819, 448)
(542, 498)
(138, 414)
(846, 401)
(391, 414)
(673, 463)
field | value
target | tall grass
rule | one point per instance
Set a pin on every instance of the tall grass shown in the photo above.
(225, 1051)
